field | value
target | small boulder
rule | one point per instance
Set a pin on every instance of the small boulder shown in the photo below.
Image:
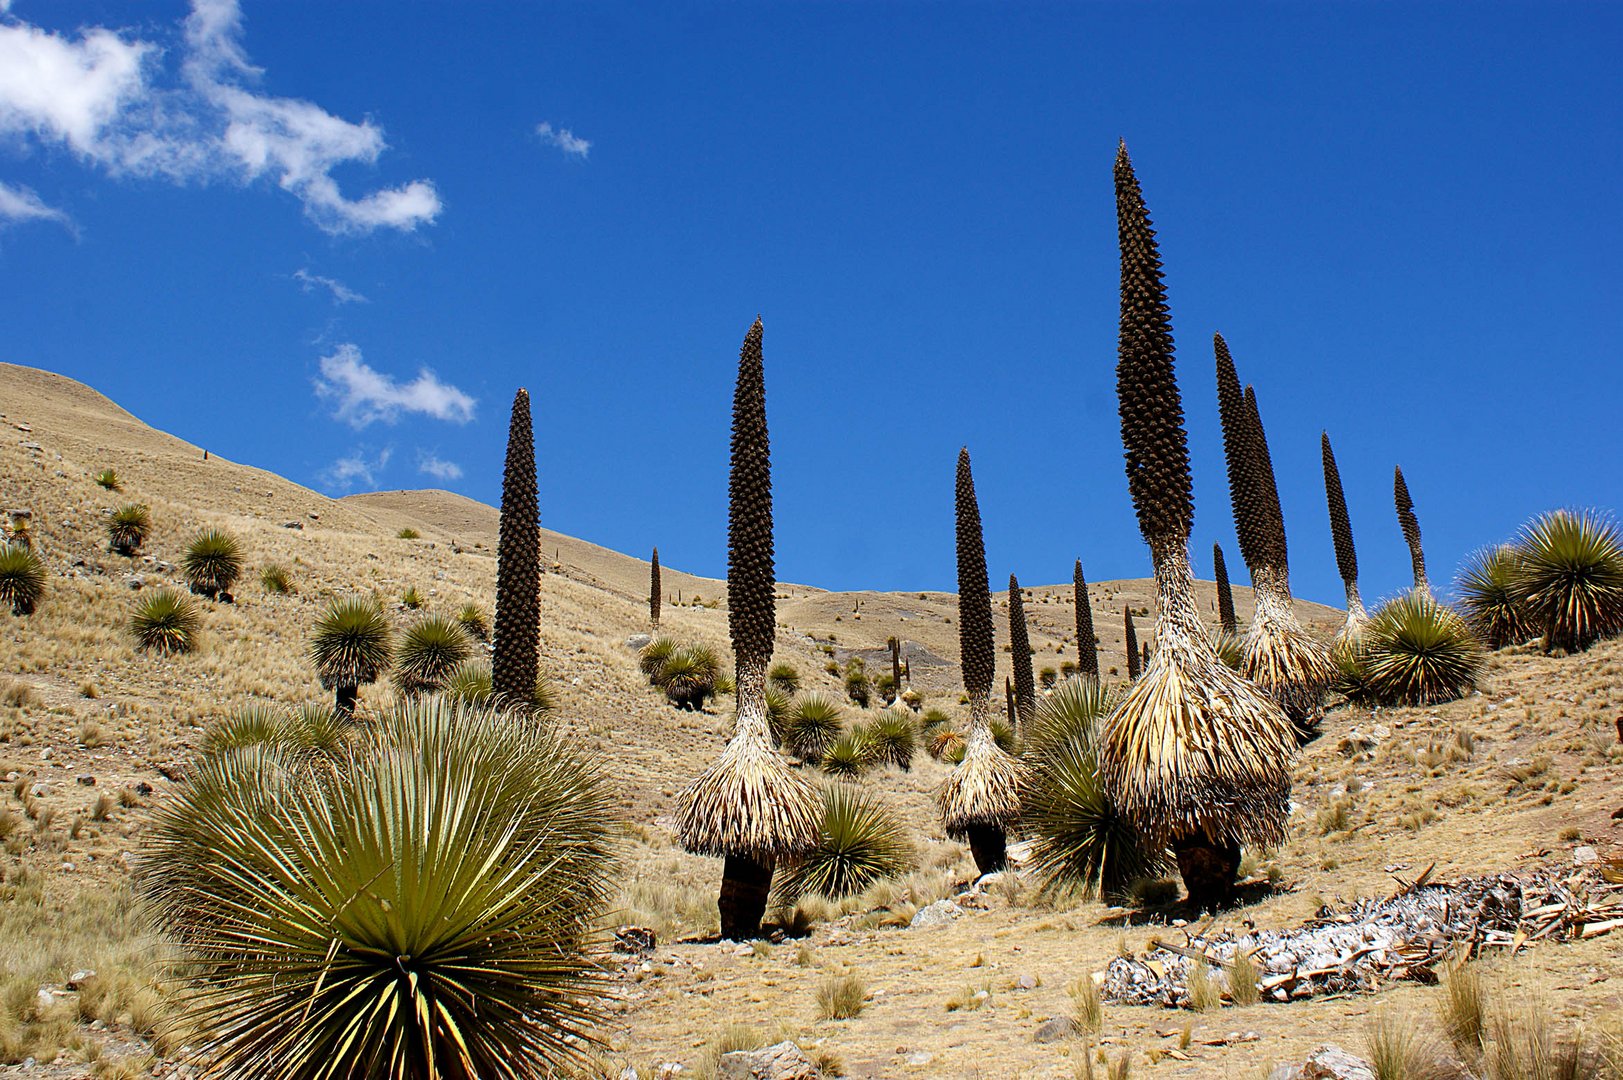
(636, 940)
(638, 641)
(1583, 856)
(782, 1061)
(77, 980)
(1328, 1062)
(87, 780)
(939, 913)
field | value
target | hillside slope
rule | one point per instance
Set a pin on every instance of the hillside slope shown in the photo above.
(1526, 770)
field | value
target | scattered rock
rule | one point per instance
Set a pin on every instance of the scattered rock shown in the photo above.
(782, 1061)
(135, 581)
(1027, 982)
(77, 980)
(939, 913)
(87, 780)
(1058, 1029)
(1328, 1062)
(638, 641)
(32, 446)
(40, 791)
(920, 1057)
(1583, 856)
(293, 525)
(44, 999)
(314, 516)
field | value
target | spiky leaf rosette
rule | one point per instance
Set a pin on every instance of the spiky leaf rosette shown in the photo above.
(975, 644)
(515, 659)
(350, 644)
(421, 906)
(750, 614)
(1025, 683)
(1087, 649)
(472, 619)
(1226, 619)
(1410, 526)
(1341, 536)
(895, 738)
(1240, 456)
(165, 621)
(212, 563)
(814, 724)
(1130, 634)
(1079, 838)
(1487, 590)
(1152, 433)
(1419, 652)
(1192, 749)
(22, 578)
(1571, 578)
(428, 652)
(654, 595)
(127, 528)
(861, 841)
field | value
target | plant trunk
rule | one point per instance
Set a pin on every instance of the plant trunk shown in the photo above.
(989, 845)
(1208, 869)
(745, 885)
(345, 705)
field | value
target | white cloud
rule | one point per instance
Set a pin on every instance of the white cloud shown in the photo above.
(20, 204)
(348, 473)
(365, 395)
(433, 465)
(564, 140)
(100, 96)
(341, 293)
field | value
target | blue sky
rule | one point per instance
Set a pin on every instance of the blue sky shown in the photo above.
(331, 240)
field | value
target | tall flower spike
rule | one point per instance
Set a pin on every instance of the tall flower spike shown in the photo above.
(1025, 684)
(1225, 593)
(1239, 454)
(1135, 666)
(1087, 648)
(654, 595)
(747, 806)
(1411, 529)
(980, 799)
(1193, 755)
(1341, 537)
(516, 638)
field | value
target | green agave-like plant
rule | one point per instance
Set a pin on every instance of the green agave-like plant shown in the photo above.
(1487, 591)
(858, 687)
(894, 737)
(850, 755)
(275, 578)
(307, 729)
(420, 907)
(350, 647)
(473, 620)
(128, 527)
(861, 842)
(814, 724)
(212, 563)
(654, 654)
(1074, 710)
(1570, 578)
(22, 578)
(165, 621)
(688, 676)
(471, 685)
(1079, 838)
(428, 652)
(784, 678)
(108, 479)
(1417, 651)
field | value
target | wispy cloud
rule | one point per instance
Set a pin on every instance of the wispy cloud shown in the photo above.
(356, 470)
(341, 293)
(564, 140)
(364, 395)
(105, 96)
(433, 465)
(19, 204)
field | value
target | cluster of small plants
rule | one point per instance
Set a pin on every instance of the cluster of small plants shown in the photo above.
(688, 674)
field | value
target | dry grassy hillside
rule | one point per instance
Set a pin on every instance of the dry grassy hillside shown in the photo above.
(91, 731)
